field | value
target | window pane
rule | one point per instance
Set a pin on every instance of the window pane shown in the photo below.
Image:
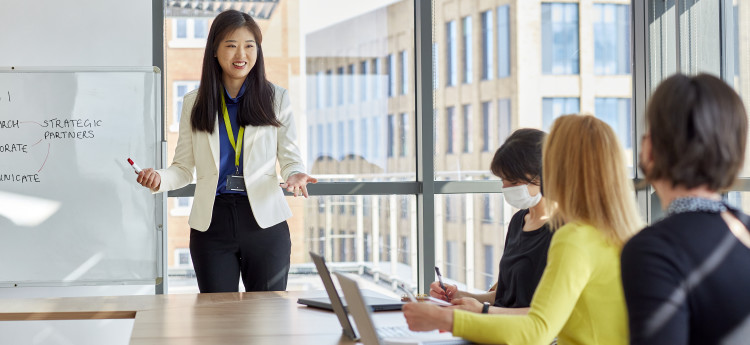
(467, 129)
(380, 236)
(487, 49)
(351, 75)
(391, 135)
(404, 72)
(450, 129)
(470, 240)
(700, 28)
(530, 85)
(340, 86)
(560, 38)
(451, 53)
(503, 41)
(468, 59)
(486, 126)
(367, 44)
(378, 78)
(200, 28)
(329, 88)
(611, 39)
(552, 108)
(404, 135)
(503, 120)
(662, 36)
(616, 113)
(181, 30)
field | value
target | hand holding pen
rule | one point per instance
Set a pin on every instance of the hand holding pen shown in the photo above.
(441, 290)
(146, 177)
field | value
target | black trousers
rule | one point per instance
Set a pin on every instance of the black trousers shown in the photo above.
(234, 244)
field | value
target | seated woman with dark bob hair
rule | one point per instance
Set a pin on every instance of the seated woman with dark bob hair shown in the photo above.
(518, 162)
(686, 278)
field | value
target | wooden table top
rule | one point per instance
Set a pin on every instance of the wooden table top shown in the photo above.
(217, 318)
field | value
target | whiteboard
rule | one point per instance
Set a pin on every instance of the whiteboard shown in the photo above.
(71, 212)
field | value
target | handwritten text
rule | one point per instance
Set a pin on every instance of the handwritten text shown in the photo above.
(9, 124)
(31, 178)
(13, 148)
(72, 123)
(69, 135)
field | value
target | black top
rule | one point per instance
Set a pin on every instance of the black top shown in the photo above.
(522, 264)
(687, 281)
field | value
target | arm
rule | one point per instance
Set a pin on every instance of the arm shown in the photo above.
(180, 172)
(287, 151)
(657, 311)
(567, 273)
(475, 306)
(481, 297)
(454, 293)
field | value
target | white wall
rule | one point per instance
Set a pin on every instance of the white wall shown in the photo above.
(54, 33)
(75, 33)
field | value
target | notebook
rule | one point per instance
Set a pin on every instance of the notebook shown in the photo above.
(378, 301)
(399, 335)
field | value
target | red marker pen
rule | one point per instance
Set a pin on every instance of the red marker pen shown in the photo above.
(135, 166)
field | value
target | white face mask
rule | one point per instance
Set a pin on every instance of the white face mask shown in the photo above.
(518, 197)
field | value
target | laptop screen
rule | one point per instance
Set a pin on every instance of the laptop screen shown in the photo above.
(336, 304)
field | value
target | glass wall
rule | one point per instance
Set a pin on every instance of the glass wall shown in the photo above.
(551, 59)
(701, 36)
(470, 237)
(349, 69)
(353, 73)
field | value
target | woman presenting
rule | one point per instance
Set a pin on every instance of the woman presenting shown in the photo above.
(232, 131)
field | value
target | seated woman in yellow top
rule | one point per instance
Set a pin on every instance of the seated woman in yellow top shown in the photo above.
(579, 298)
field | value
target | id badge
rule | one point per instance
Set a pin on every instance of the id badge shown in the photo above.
(235, 183)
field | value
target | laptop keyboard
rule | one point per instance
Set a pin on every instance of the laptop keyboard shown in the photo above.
(395, 332)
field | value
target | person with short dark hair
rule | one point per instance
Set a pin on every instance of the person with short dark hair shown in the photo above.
(518, 162)
(686, 278)
(233, 130)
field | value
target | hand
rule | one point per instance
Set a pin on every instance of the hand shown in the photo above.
(468, 304)
(297, 183)
(427, 316)
(149, 178)
(448, 294)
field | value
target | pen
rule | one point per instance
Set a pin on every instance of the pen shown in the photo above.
(440, 279)
(138, 169)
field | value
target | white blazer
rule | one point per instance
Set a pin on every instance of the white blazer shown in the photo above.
(261, 147)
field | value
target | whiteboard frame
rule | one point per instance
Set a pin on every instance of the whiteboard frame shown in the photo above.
(160, 213)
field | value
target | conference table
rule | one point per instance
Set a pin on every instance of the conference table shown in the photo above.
(213, 318)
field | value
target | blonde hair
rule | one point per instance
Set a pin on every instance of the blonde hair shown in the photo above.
(586, 180)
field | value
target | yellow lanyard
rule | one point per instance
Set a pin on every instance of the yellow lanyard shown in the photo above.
(231, 135)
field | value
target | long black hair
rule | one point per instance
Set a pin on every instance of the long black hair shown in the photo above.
(256, 107)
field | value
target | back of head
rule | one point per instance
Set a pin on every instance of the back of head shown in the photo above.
(519, 158)
(586, 177)
(698, 131)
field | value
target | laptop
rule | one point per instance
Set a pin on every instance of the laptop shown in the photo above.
(401, 335)
(378, 301)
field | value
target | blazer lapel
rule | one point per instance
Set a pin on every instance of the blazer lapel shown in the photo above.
(213, 143)
(251, 133)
